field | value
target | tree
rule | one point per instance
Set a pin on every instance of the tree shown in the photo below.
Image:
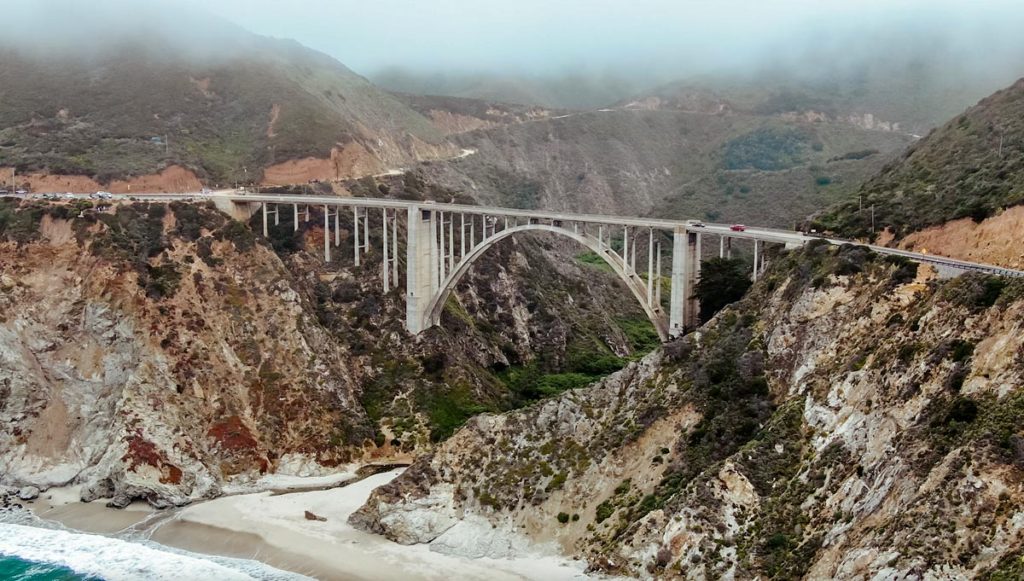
(722, 281)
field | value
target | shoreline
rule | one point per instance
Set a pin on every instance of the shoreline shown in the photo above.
(271, 528)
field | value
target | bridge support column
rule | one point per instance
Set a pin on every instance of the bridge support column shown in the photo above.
(650, 269)
(421, 267)
(757, 253)
(355, 234)
(657, 277)
(295, 218)
(625, 249)
(451, 243)
(384, 248)
(327, 233)
(684, 309)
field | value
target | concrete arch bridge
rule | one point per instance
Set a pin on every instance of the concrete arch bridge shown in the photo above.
(443, 241)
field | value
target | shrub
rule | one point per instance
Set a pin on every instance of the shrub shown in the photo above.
(722, 281)
(767, 148)
(563, 517)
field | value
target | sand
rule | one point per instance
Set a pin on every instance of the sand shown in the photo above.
(272, 529)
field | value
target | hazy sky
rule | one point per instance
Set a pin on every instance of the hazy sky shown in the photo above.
(596, 35)
(642, 37)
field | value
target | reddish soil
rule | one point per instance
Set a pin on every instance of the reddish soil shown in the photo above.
(994, 241)
(172, 179)
(232, 434)
(351, 160)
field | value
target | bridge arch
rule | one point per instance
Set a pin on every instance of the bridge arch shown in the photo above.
(633, 281)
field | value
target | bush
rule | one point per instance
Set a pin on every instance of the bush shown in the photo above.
(963, 410)
(722, 281)
(768, 149)
(563, 517)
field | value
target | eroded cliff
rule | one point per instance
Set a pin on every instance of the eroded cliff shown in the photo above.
(850, 418)
(161, 352)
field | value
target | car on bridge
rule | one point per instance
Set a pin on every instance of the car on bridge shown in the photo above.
(696, 223)
(738, 228)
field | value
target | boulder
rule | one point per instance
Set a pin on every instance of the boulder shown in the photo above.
(28, 493)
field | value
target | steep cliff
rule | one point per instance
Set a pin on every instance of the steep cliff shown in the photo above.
(160, 352)
(850, 418)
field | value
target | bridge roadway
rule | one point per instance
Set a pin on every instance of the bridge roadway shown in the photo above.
(436, 258)
(771, 235)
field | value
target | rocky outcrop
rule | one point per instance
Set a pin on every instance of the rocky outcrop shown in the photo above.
(848, 419)
(164, 352)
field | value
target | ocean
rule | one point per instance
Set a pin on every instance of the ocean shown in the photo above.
(18, 569)
(45, 554)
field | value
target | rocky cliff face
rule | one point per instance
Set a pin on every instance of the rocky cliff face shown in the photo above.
(161, 352)
(850, 418)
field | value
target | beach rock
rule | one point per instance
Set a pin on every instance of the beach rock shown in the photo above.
(311, 516)
(28, 493)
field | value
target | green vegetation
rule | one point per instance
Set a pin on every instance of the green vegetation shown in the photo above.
(951, 421)
(722, 281)
(20, 222)
(973, 167)
(449, 407)
(859, 154)
(593, 259)
(528, 383)
(643, 338)
(768, 149)
(975, 291)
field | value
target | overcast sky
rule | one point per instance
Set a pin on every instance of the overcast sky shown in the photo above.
(670, 38)
(560, 35)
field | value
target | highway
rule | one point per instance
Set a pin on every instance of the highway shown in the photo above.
(769, 235)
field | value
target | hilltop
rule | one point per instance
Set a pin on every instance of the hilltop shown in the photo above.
(222, 103)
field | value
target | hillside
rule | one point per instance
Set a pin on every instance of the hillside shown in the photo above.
(225, 108)
(959, 182)
(845, 420)
(912, 100)
(679, 164)
(569, 91)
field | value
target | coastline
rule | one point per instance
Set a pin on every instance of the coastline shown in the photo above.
(272, 528)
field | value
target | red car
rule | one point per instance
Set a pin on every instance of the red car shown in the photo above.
(737, 227)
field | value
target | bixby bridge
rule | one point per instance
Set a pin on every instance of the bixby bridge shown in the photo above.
(444, 240)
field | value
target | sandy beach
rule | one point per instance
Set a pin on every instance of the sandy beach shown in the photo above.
(272, 528)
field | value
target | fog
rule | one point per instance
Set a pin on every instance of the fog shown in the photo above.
(652, 38)
(621, 44)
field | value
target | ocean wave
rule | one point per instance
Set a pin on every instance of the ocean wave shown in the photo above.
(116, 560)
